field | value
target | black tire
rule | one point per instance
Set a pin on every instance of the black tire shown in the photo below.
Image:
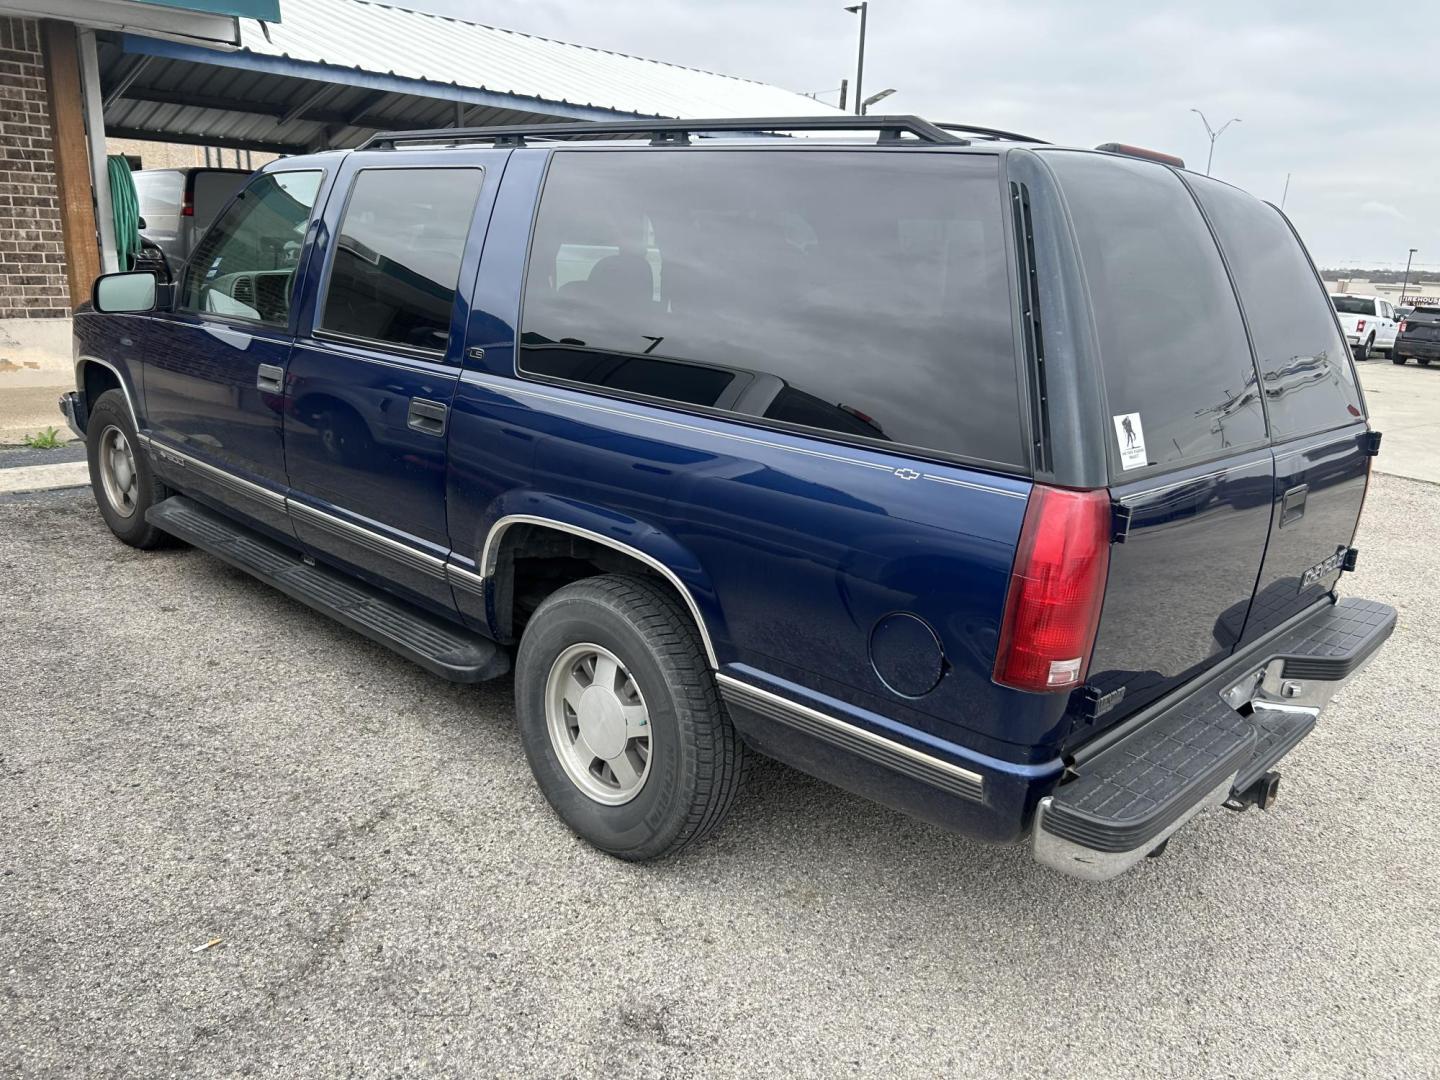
(112, 412)
(1397, 359)
(1423, 361)
(697, 761)
(1362, 352)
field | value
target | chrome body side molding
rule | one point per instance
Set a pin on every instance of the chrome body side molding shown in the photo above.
(862, 742)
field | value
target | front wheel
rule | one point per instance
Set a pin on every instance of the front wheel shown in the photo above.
(1398, 359)
(620, 719)
(120, 475)
(1423, 361)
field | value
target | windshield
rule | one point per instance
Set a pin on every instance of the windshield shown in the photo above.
(1353, 305)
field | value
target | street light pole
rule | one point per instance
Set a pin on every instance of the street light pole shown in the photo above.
(1213, 135)
(1406, 284)
(862, 9)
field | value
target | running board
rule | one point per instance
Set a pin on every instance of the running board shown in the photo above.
(435, 644)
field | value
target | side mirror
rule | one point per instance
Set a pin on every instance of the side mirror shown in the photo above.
(133, 291)
(140, 223)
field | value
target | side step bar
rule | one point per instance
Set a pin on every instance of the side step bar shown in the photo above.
(438, 646)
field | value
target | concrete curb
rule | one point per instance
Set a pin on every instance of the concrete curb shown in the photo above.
(44, 477)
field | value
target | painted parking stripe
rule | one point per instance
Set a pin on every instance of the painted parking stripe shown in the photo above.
(44, 477)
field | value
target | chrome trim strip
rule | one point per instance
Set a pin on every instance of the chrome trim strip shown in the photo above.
(966, 776)
(461, 578)
(1022, 496)
(490, 554)
(85, 358)
(237, 484)
(368, 539)
(506, 387)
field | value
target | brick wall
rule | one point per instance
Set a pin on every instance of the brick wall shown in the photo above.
(32, 252)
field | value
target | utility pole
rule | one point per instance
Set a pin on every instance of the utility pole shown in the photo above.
(1406, 284)
(862, 9)
(1213, 135)
(844, 85)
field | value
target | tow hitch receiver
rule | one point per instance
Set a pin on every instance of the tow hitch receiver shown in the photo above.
(1262, 793)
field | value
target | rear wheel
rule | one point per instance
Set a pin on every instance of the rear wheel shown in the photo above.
(1362, 351)
(1398, 359)
(621, 721)
(120, 475)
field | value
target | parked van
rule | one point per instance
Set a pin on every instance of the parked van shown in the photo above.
(864, 450)
(178, 205)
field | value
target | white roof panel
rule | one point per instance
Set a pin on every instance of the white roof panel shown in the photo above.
(381, 39)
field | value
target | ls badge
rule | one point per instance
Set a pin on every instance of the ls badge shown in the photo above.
(1322, 569)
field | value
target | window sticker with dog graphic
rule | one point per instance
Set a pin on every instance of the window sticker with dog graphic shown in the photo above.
(1131, 437)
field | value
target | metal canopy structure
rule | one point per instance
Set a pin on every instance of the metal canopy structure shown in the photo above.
(335, 72)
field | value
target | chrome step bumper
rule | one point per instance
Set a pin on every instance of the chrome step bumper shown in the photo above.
(1206, 749)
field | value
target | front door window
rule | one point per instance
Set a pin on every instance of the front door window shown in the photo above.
(244, 268)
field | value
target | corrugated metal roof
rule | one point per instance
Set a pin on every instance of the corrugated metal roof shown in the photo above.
(413, 45)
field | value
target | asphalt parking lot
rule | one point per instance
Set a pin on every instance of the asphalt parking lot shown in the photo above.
(186, 756)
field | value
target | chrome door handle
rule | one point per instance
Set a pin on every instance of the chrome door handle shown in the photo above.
(426, 417)
(270, 378)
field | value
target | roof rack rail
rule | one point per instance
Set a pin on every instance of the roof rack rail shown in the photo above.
(670, 132)
(992, 133)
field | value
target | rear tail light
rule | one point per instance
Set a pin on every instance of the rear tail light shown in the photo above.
(1056, 588)
(187, 204)
(1402, 327)
(1359, 325)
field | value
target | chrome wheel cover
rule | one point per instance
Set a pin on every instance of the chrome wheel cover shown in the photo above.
(598, 723)
(118, 475)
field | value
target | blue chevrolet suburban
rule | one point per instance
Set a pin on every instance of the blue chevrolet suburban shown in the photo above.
(1005, 484)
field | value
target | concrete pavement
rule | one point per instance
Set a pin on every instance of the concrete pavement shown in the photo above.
(186, 755)
(1404, 405)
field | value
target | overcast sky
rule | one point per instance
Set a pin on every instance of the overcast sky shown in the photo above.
(1324, 90)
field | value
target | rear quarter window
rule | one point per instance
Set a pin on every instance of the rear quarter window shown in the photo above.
(1172, 343)
(861, 295)
(1305, 365)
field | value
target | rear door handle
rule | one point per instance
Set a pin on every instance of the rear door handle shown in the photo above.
(1292, 506)
(427, 417)
(270, 378)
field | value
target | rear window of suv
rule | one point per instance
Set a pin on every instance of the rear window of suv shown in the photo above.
(1179, 378)
(1353, 305)
(862, 295)
(1304, 362)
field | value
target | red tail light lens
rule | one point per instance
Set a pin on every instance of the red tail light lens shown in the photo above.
(187, 205)
(1056, 589)
(1359, 325)
(1402, 327)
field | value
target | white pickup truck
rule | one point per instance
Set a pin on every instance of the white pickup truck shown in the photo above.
(1368, 321)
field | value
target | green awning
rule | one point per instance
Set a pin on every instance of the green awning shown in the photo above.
(268, 10)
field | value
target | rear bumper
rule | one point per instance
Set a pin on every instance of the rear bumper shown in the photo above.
(1424, 350)
(1214, 742)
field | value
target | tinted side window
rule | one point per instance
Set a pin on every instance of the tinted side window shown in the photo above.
(1304, 363)
(1172, 343)
(397, 256)
(858, 293)
(245, 265)
(210, 191)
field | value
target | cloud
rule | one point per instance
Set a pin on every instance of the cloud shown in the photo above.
(1380, 209)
